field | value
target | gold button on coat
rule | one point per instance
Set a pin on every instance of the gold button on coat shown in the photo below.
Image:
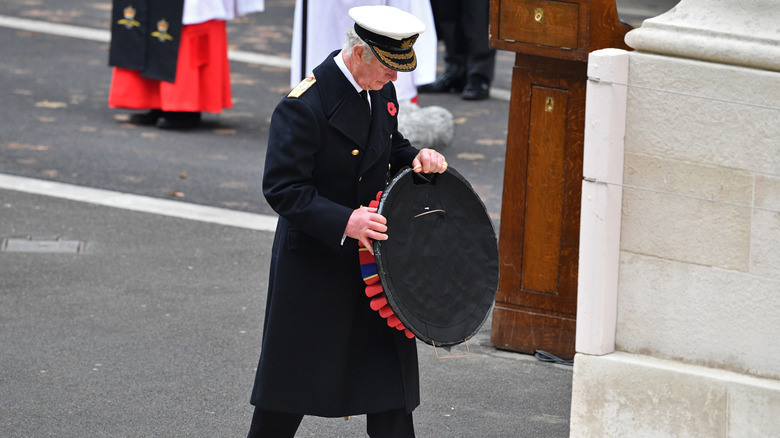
(355, 151)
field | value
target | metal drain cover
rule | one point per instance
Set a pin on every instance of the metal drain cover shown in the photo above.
(42, 245)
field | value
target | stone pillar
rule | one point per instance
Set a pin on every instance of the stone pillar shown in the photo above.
(698, 272)
(737, 32)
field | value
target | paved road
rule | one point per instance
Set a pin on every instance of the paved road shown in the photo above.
(58, 126)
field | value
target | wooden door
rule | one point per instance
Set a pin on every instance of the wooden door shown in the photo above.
(536, 303)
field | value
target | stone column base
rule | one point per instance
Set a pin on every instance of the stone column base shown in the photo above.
(629, 395)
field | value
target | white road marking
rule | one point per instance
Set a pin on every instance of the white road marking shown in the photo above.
(144, 204)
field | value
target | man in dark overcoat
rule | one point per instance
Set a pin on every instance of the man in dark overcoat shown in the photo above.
(324, 351)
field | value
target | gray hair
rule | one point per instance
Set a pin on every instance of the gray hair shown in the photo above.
(354, 40)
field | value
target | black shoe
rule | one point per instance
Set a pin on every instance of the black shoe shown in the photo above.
(477, 88)
(446, 83)
(147, 118)
(178, 120)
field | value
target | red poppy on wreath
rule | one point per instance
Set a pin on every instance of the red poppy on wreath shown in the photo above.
(391, 108)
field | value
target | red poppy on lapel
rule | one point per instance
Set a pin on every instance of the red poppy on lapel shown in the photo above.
(391, 108)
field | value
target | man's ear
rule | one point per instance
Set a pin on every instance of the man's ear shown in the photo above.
(357, 52)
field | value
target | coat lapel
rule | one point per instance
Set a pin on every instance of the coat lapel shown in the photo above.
(346, 112)
(343, 106)
(378, 119)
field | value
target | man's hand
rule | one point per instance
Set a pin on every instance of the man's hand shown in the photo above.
(365, 225)
(429, 161)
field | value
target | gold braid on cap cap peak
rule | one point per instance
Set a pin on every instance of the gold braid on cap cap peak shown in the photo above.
(387, 58)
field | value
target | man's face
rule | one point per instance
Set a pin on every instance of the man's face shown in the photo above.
(373, 75)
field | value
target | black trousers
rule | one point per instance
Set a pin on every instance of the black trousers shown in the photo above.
(389, 424)
(463, 26)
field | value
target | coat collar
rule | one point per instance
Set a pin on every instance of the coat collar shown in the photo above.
(346, 112)
(342, 105)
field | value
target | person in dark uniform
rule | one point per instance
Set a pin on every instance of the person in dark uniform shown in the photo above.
(170, 58)
(469, 60)
(324, 351)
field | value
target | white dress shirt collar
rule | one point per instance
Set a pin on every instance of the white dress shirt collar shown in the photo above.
(343, 67)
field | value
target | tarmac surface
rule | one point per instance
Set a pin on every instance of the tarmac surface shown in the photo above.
(152, 329)
(131, 295)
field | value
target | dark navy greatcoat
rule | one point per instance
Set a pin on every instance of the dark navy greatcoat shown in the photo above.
(324, 351)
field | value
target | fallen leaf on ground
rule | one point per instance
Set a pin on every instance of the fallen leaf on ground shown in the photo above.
(235, 204)
(470, 156)
(50, 104)
(233, 185)
(491, 141)
(29, 147)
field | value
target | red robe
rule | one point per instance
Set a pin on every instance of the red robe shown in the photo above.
(202, 80)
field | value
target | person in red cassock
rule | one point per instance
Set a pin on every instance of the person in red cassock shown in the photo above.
(325, 352)
(170, 58)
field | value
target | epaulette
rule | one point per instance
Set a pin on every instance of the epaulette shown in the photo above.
(302, 87)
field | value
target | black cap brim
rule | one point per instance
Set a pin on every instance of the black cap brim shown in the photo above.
(395, 54)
